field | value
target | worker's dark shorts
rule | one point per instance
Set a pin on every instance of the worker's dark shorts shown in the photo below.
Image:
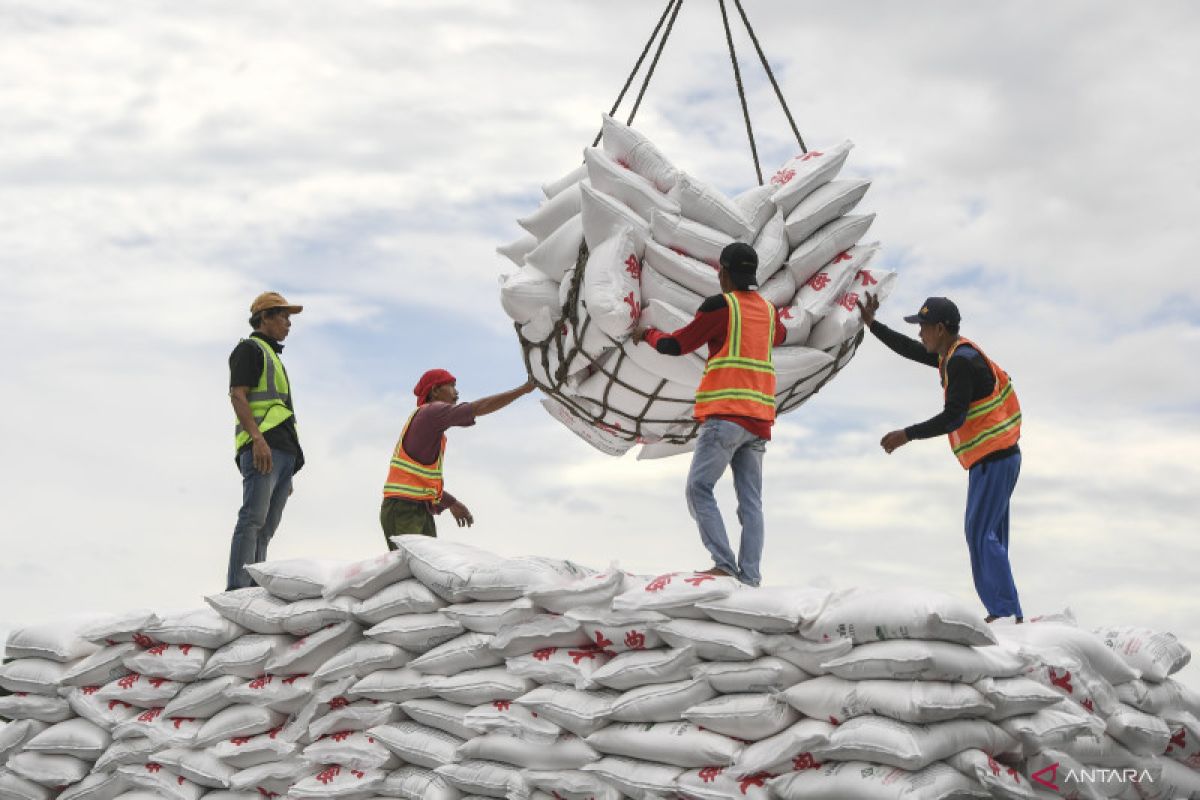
(399, 516)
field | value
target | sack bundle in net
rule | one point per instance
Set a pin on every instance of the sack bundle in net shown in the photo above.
(629, 240)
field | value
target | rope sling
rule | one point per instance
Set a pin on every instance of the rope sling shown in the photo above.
(564, 347)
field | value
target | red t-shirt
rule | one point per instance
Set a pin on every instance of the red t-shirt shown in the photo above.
(423, 440)
(709, 327)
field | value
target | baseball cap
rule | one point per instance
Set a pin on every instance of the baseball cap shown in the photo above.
(429, 381)
(935, 310)
(740, 260)
(268, 300)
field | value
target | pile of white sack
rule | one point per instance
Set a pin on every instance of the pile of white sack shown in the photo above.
(653, 235)
(442, 672)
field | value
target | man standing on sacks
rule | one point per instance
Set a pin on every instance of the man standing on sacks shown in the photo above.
(735, 404)
(982, 420)
(265, 442)
(413, 491)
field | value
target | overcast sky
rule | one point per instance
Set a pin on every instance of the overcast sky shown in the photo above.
(164, 163)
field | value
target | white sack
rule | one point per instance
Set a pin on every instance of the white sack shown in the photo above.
(769, 609)
(867, 615)
(801, 175)
(837, 699)
(680, 744)
(631, 149)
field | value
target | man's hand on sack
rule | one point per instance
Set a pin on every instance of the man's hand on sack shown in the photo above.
(867, 312)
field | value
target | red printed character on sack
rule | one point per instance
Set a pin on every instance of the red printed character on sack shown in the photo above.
(153, 768)
(635, 640)
(544, 654)
(89, 690)
(633, 267)
(1061, 681)
(635, 311)
(115, 704)
(865, 278)
(149, 715)
(782, 176)
(785, 312)
(158, 649)
(804, 761)
(292, 679)
(818, 281)
(848, 301)
(710, 774)
(698, 579)
(338, 702)
(327, 775)
(157, 683)
(840, 257)
(142, 640)
(129, 680)
(601, 640)
(758, 779)
(267, 792)
(660, 583)
(340, 736)
(260, 682)
(502, 705)
(579, 655)
(809, 156)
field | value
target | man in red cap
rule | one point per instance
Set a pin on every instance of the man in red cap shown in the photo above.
(414, 489)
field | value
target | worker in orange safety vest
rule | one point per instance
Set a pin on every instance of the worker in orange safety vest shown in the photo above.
(981, 418)
(413, 491)
(735, 404)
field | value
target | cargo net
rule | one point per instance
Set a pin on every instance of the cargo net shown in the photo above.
(627, 240)
(576, 350)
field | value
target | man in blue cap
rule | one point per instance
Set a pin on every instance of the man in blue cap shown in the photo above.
(982, 419)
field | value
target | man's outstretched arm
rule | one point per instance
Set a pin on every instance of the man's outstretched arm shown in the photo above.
(493, 403)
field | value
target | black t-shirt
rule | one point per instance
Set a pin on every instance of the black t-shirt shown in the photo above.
(968, 379)
(245, 368)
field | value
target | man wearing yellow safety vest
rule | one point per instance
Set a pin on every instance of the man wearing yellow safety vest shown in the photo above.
(982, 419)
(265, 440)
(414, 490)
(735, 404)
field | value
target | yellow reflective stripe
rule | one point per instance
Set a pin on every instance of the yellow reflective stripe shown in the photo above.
(408, 491)
(416, 469)
(735, 394)
(735, 324)
(751, 364)
(990, 433)
(985, 407)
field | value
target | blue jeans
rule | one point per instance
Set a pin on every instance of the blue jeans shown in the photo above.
(724, 444)
(989, 488)
(263, 499)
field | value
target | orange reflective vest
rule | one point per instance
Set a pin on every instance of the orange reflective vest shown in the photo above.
(739, 380)
(993, 423)
(410, 479)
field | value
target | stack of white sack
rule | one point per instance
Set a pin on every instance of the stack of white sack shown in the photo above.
(653, 235)
(443, 672)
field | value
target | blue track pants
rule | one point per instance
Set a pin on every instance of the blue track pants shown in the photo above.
(989, 489)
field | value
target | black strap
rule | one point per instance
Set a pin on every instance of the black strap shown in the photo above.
(638, 64)
(737, 78)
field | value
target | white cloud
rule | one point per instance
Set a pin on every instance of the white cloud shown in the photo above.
(163, 165)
